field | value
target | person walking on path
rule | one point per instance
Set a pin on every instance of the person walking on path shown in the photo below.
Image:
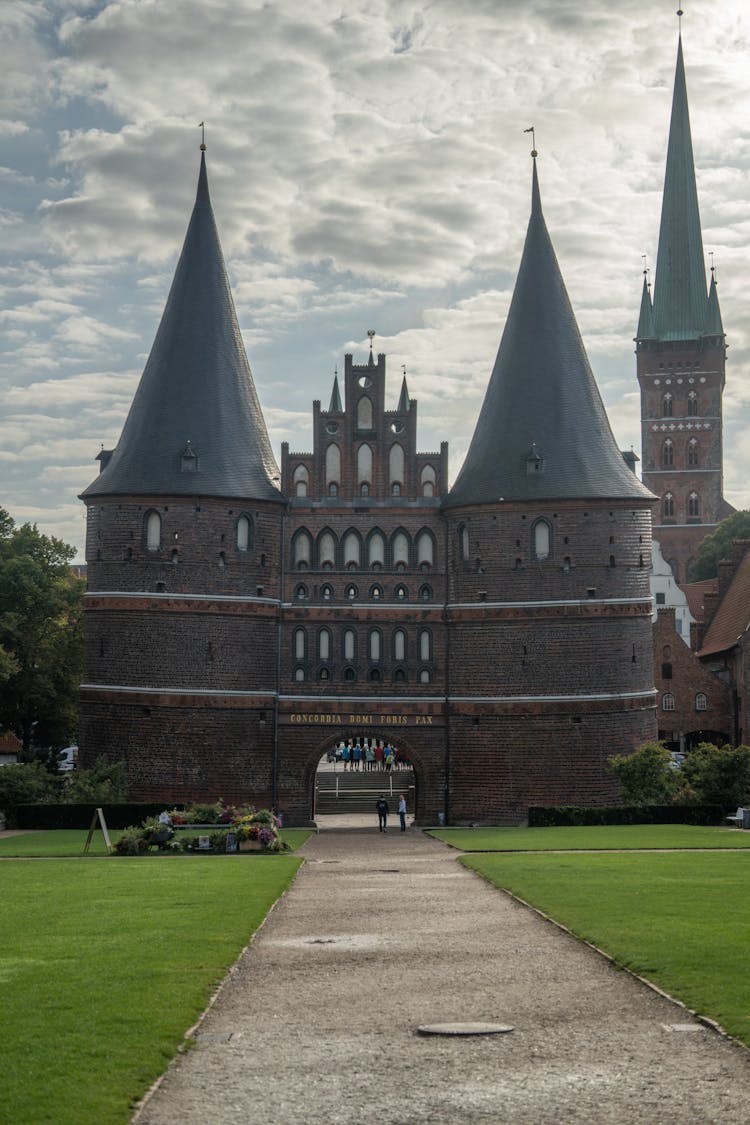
(402, 811)
(383, 810)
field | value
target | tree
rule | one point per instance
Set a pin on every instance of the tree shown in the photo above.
(718, 775)
(40, 636)
(718, 546)
(647, 777)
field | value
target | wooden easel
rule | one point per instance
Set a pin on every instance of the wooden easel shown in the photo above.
(98, 816)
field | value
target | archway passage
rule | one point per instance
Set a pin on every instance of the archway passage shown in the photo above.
(354, 771)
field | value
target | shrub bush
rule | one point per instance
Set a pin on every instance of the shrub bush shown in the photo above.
(570, 816)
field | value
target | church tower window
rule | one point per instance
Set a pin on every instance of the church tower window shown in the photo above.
(692, 452)
(375, 644)
(428, 479)
(396, 466)
(692, 405)
(351, 549)
(666, 406)
(333, 467)
(301, 550)
(364, 413)
(243, 533)
(324, 644)
(541, 540)
(400, 549)
(364, 465)
(425, 645)
(301, 480)
(326, 551)
(668, 506)
(667, 453)
(693, 506)
(425, 550)
(349, 644)
(300, 644)
(399, 645)
(376, 550)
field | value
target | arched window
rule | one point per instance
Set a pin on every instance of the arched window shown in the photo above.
(351, 593)
(692, 453)
(541, 539)
(668, 505)
(667, 701)
(300, 644)
(301, 480)
(376, 549)
(399, 676)
(667, 453)
(396, 464)
(364, 464)
(374, 673)
(693, 505)
(243, 533)
(463, 540)
(351, 549)
(348, 644)
(326, 593)
(701, 701)
(301, 550)
(399, 645)
(301, 592)
(424, 676)
(425, 549)
(349, 675)
(153, 531)
(324, 644)
(425, 645)
(374, 644)
(401, 593)
(333, 466)
(364, 413)
(333, 489)
(425, 593)
(395, 489)
(376, 593)
(692, 405)
(400, 549)
(666, 406)
(324, 674)
(327, 551)
(299, 675)
(428, 479)
(175, 556)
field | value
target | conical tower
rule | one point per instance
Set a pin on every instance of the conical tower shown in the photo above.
(183, 552)
(549, 601)
(680, 347)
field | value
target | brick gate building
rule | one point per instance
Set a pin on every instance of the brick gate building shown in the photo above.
(239, 620)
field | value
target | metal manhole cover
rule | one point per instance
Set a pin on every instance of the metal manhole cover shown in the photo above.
(464, 1029)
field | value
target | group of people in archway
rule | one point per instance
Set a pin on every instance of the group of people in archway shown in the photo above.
(365, 754)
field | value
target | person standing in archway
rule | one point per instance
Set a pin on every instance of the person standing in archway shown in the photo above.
(379, 755)
(383, 810)
(402, 811)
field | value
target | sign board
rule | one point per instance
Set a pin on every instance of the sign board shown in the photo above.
(97, 817)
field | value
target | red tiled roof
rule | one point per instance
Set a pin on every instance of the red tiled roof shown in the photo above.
(695, 592)
(8, 741)
(732, 616)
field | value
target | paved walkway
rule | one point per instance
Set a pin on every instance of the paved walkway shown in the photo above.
(381, 933)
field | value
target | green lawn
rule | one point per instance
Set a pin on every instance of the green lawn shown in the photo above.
(591, 839)
(682, 919)
(70, 842)
(105, 965)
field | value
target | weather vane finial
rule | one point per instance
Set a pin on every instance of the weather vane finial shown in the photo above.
(202, 127)
(713, 264)
(530, 129)
(371, 335)
(680, 14)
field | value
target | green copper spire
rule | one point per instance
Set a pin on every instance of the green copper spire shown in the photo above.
(714, 326)
(335, 406)
(403, 401)
(680, 304)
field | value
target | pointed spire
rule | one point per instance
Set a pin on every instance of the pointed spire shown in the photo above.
(646, 318)
(404, 401)
(680, 303)
(197, 382)
(714, 325)
(335, 406)
(542, 431)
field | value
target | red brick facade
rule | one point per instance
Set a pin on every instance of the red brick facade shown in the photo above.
(694, 705)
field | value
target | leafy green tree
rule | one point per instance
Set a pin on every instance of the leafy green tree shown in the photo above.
(718, 775)
(105, 783)
(647, 776)
(25, 784)
(718, 546)
(40, 636)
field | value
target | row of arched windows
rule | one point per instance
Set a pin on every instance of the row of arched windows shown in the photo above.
(327, 552)
(667, 405)
(152, 532)
(668, 702)
(693, 506)
(364, 472)
(374, 642)
(376, 593)
(692, 453)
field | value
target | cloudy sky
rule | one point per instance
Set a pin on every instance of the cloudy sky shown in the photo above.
(368, 169)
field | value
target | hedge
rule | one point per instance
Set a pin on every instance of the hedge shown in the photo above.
(568, 816)
(121, 815)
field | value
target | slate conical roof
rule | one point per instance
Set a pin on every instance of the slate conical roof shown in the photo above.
(542, 432)
(646, 316)
(335, 407)
(680, 304)
(195, 426)
(403, 399)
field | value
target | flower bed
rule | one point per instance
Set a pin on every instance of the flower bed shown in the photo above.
(231, 830)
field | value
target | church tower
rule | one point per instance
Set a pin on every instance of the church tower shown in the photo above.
(549, 534)
(681, 352)
(183, 550)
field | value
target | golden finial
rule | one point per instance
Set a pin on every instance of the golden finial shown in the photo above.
(534, 153)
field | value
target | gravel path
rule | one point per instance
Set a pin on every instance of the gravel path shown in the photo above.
(382, 933)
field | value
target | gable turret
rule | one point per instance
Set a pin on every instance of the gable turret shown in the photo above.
(195, 426)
